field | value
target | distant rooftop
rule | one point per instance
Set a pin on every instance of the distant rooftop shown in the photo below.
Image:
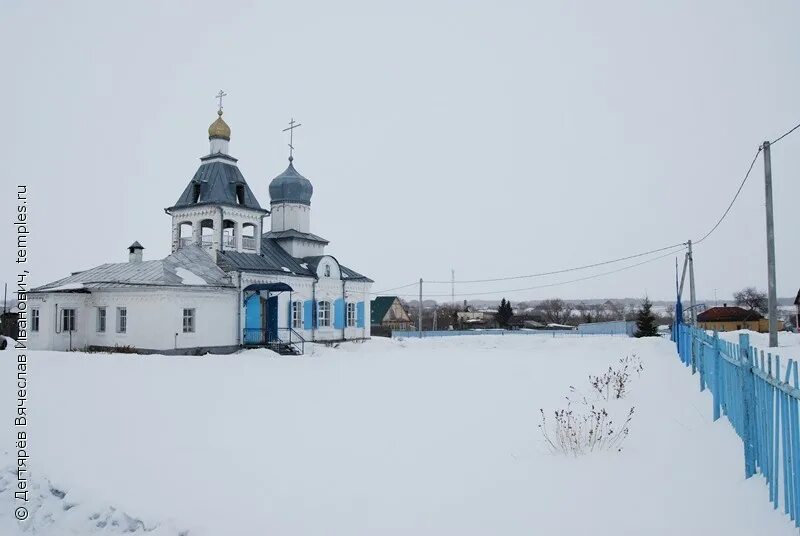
(728, 314)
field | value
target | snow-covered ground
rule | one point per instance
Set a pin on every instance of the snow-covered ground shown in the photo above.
(787, 342)
(398, 437)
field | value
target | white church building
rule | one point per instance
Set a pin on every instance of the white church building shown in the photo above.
(227, 284)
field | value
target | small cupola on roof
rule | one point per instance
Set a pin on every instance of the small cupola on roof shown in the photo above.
(219, 133)
(290, 199)
(290, 187)
(219, 129)
(135, 252)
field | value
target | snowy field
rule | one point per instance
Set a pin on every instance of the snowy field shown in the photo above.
(422, 437)
(788, 343)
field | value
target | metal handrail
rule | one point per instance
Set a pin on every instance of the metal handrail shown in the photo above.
(261, 337)
(300, 339)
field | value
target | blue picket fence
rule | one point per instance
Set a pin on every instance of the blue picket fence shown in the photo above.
(760, 399)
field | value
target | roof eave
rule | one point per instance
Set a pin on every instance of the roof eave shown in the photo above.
(292, 201)
(169, 210)
(218, 155)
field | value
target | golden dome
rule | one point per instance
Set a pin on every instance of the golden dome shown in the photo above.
(219, 129)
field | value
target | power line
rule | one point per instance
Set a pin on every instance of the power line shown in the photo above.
(593, 276)
(779, 138)
(603, 263)
(415, 283)
(565, 270)
(746, 176)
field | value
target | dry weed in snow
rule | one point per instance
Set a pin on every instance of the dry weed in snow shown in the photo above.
(585, 425)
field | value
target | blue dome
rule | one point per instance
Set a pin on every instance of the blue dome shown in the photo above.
(290, 187)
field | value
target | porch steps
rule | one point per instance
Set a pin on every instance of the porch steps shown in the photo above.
(283, 348)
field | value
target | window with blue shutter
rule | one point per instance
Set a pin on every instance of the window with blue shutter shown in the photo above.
(308, 314)
(360, 314)
(338, 314)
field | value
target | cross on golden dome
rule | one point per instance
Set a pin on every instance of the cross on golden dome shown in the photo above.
(219, 128)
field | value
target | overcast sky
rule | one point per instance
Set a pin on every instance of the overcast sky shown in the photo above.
(494, 138)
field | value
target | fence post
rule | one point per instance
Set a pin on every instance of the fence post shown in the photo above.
(687, 349)
(701, 356)
(715, 384)
(747, 384)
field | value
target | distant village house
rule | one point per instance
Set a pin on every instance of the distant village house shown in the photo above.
(388, 313)
(733, 318)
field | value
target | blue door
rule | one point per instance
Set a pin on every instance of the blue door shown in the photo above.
(272, 318)
(253, 326)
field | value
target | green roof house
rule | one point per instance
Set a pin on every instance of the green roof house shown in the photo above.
(388, 312)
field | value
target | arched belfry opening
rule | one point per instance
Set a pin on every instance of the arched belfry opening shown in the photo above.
(186, 233)
(207, 233)
(229, 238)
(249, 237)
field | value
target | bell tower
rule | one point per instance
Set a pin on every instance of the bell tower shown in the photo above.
(217, 210)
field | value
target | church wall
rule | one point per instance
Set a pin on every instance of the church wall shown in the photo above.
(154, 316)
(290, 216)
(329, 289)
(50, 307)
(299, 248)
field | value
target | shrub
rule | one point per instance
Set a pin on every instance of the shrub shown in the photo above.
(577, 433)
(116, 349)
(614, 382)
(586, 426)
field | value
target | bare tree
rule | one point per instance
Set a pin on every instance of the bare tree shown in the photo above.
(554, 310)
(616, 310)
(585, 312)
(599, 311)
(753, 299)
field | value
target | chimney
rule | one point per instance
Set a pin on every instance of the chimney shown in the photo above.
(724, 304)
(135, 252)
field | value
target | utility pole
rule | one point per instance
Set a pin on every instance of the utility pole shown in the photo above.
(773, 293)
(453, 286)
(693, 303)
(692, 297)
(420, 308)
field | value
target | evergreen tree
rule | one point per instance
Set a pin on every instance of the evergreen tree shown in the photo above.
(646, 320)
(504, 314)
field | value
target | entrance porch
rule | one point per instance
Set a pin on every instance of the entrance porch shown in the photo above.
(261, 320)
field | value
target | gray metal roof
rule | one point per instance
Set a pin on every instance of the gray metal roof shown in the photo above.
(215, 183)
(290, 187)
(162, 272)
(349, 274)
(291, 233)
(273, 259)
